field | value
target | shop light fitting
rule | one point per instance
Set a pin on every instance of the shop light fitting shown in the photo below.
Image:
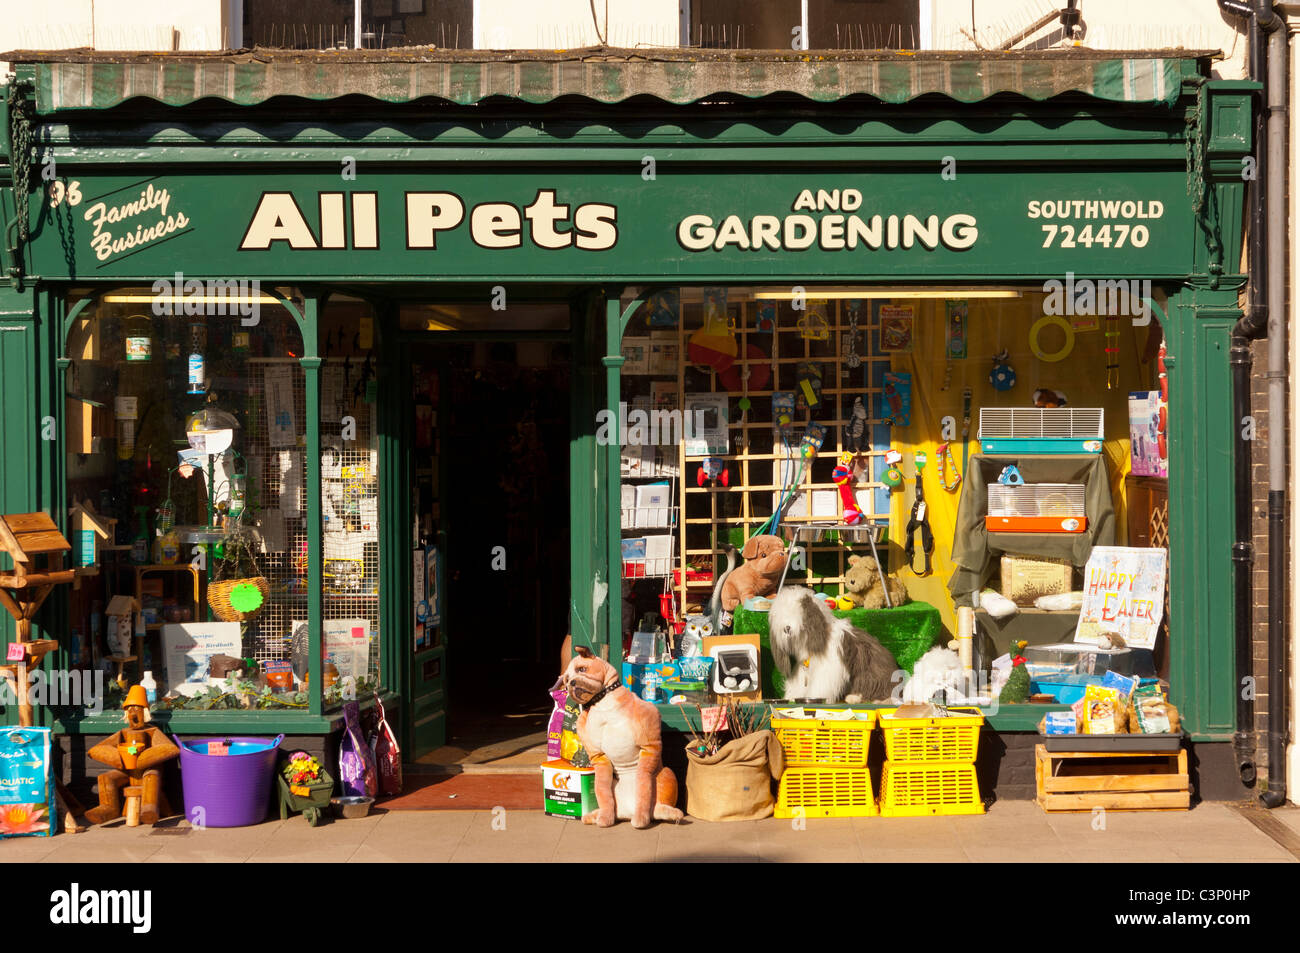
(868, 293)
(182, 299)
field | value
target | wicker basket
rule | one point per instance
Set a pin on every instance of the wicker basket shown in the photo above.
(219, 598)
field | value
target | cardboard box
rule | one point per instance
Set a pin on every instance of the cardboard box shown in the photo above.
(1145, 436)
(1024, 579)
(634, 677)
(727, 650)
(568, 791)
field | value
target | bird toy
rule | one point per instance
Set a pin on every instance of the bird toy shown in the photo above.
(945, 462)
(843, 478)
(713, 471)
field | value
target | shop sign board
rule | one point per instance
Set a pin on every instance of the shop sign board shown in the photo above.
(988, 223)
(1124, 595)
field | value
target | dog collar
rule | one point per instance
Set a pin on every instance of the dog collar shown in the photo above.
(609, 687)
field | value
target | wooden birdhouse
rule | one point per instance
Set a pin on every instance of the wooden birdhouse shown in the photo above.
(87, 423)
(88, 529)
(37, 549)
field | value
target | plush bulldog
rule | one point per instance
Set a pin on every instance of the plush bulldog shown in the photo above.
(622, 736)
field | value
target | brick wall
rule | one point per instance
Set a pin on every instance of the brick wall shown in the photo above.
(1259, 571)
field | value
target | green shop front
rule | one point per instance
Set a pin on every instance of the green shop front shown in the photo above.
(390, 344)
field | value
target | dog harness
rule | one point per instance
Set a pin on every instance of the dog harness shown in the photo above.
(921, 521)
(609, 687)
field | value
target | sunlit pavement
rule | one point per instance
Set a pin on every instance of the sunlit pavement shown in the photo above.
(1011, 831)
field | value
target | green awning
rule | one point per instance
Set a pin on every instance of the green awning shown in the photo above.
(100, 80)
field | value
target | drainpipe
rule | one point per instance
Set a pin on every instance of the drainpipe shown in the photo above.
(1251, 326)
(1275, 796)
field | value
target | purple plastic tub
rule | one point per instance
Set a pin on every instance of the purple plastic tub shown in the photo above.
(231, 789)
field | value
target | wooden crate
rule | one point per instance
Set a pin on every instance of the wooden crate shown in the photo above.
(1115, 781)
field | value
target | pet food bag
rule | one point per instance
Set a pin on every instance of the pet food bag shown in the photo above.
(388, 756)
(735, 783)
(555, 728)
(571, 749)
(26, 788)
(357, 768)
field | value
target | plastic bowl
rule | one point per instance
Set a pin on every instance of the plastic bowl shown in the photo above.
(350, 807)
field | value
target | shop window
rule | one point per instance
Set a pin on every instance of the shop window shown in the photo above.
(349, 402)
(832, 24)
(290, 25)
(858, 422)
(184, 435)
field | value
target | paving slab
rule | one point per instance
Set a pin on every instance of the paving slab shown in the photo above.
(1010, 832)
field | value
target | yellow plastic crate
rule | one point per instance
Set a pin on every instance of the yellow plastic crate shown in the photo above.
(955, 738)
(810, 741)
(927, 789)
(822, 791)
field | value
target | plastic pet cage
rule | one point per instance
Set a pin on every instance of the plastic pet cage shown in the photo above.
(1042, 429)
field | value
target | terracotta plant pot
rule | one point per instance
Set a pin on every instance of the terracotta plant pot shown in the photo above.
(129, 758)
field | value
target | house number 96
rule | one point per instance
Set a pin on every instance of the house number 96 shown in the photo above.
(58, 192)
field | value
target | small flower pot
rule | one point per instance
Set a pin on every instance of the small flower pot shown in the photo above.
(130, 755)
(310, 799)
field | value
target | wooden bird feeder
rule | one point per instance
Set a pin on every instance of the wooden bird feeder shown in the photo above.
(88, 528)
(37, 549)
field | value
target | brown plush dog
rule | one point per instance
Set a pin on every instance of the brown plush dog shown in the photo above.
(622, 736)
(761, 574)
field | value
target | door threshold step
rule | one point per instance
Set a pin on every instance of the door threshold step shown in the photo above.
(422, 769)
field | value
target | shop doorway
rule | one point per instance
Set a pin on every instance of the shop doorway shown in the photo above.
(490, 504)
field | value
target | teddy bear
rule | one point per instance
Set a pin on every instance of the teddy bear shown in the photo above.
(862, 585)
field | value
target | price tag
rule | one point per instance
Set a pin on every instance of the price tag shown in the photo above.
(218, 748)
(300, 790)
(16, 652)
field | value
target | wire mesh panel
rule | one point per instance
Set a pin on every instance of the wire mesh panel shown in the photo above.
(350, 518)
(276, 462)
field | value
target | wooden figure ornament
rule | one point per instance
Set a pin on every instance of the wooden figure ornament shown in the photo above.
(135, 756)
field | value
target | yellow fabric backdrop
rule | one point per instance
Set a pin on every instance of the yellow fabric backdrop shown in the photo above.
(994, 324)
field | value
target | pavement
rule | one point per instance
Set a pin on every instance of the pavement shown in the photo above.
(1011, 831)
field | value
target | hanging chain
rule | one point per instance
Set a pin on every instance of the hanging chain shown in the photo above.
(20, 135)
(20, 139)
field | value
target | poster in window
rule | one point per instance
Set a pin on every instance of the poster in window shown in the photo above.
(188, 648)
(1123, 594)
(636, 355)
(280, 424)
(421, 608)
(345, 642)
(707, 424)
(664, 352)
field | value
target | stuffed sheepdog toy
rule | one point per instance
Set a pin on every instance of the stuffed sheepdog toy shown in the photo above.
(825, 657)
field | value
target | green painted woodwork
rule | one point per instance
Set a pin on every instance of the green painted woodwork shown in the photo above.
(992, 230)
(742, 160)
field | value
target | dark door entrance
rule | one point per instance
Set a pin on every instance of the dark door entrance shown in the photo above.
(490, 501)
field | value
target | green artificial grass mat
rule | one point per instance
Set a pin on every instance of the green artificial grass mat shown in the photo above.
(908, 631)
